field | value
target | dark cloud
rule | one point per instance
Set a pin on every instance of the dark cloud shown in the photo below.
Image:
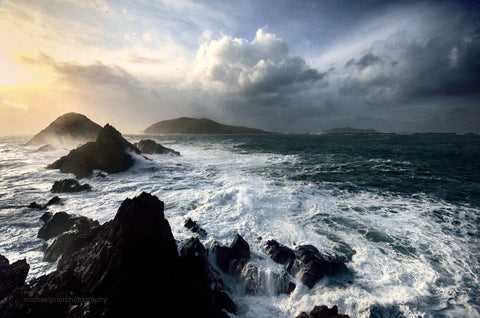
(367, 60)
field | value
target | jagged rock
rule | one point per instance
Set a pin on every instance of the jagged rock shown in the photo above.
(12, 275)
(256, 282)
(46, 148)
(194, 227)
(69, 185)
(131, 265)
(314, 265)
(149, 146)
(61, 243)
(280, 253)
(62, 222)
(209, 284)
(46, 217)
(109, 153)
(67, 130)
(224, 256)
(323, 312)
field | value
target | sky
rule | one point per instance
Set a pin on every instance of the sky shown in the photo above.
(285, 66)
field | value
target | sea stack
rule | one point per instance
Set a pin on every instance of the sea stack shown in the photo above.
(110, 152)
(68, 130)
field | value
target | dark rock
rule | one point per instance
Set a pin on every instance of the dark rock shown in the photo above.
(240, 248)
(109, 153)
(69, 185)
(131, 265)
(3, 260)
(314, 266)
(280, 253)
(68, 129)
(101, 175)
(35, 205)
(208, 283)
(46, 148)
(149, 146)
(194, 227)
(12, 276)
(257, 282)
(323, 312)
(224, 256)
(55, 200)
(62, 222)
(61, 243)
(46, 217)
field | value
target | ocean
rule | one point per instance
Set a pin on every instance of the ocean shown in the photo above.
(403, 212)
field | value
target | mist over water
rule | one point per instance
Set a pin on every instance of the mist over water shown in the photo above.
(403, 212)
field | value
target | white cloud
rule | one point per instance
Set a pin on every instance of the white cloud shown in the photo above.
(262, 65)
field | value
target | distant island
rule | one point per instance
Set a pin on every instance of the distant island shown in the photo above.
(348, 130)
(67, 131)
(185, 125)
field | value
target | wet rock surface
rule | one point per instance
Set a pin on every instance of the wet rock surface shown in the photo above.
(322, 312)
(149, 146)
(109, 153)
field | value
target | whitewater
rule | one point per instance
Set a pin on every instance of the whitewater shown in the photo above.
(410, 253)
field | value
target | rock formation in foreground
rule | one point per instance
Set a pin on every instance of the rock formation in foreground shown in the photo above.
(185, 125)
(149, 146)
(128, 266)
(109, 152)
(66, 131)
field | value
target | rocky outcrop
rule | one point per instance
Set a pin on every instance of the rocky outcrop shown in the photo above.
(110, 152)
(235, 261)
(149, 146)
(194, 227)
(314, 265)
(52, 201)
(323, 312)
(306, 262)
(185, 125)
(224, 256)
(69, 185)
(62, 222)
(46, 217)
(11, 275)
(126, 267)
(66, 131)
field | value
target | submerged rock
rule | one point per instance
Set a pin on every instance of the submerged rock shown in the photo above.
(35, 205)
(323, 312)
(69, 185)
(149, 146)
(109, 152)
(11, 275)
(128, 266)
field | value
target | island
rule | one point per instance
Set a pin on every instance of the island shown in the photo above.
(186, 125)
(67, 131)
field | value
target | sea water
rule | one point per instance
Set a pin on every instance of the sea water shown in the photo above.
(403, 212)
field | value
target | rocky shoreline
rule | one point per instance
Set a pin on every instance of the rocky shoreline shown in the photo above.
(132, 265)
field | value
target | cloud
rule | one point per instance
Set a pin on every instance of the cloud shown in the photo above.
(259, 67)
